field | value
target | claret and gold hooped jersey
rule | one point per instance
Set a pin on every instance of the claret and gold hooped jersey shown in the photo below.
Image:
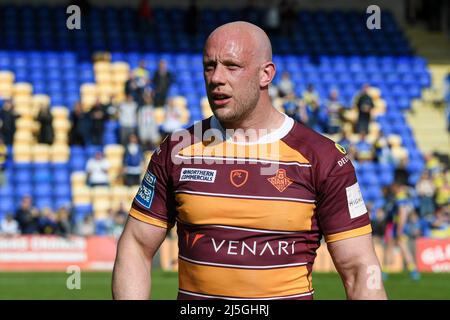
(250, 216)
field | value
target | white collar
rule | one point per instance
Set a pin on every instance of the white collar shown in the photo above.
(274, 135)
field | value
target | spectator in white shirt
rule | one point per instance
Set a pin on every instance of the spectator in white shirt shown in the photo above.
(9, 226)
(285, 86)
(97, 170)
(127, 119)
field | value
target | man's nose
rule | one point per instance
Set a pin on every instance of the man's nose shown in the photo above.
(218, 75)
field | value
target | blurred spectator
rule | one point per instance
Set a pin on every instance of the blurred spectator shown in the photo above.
(162, 80)
(414, 226)
(64, 227)
(97, 170)
(172, 120)
(383, 152)
(364, 103)
(3, 158)
(401, 173)
(364, 149)
(295, 108)
(426, 191)
(131, 87)
(273, 92)
(312, 101)
(127, 119)
(403, 208)
(9, 226)
(27, 216)
(192, 18)
(145, 16)
(142, 77)
(440, 222)
(119, 223)
(47, 222)
(148, 130)
(80, 126)
(443, 190)
(8, 118)
(334, 111)
(98, 116)
(345, 140)
(272, 19)
(45, 119)
(85, 227)
(132, 161)
(285, 86)
(288, 17)
(116, 223)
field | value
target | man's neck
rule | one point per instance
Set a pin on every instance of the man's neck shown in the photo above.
(264, 119)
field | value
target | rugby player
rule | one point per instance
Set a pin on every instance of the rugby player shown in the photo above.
(244, 233)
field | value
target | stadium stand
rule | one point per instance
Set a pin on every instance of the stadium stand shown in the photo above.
(41, 62)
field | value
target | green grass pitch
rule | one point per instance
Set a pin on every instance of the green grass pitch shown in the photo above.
(96, 285)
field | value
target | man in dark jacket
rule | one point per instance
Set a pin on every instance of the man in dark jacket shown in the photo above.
(161, 82)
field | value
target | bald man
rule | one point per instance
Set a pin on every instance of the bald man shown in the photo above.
(245, 232)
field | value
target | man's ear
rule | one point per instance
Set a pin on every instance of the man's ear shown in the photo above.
(267, 73)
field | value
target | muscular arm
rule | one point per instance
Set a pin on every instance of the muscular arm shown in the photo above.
(358, 266)
(135, 250)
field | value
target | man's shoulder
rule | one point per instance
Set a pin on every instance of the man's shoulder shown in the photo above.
(181, 139)
(319, 150)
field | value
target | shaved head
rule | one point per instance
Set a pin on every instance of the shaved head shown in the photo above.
(238, 69)
(255, 38)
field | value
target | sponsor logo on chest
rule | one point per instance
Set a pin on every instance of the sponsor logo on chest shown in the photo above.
(199, 175)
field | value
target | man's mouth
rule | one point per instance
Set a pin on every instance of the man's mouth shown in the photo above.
(220, 99)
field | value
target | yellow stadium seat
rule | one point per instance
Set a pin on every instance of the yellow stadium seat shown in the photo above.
(114, 150)
(6, 90)
(78, 178)
(119, 193)
(399, 153)
(61, 125)
(374, 127)
(60, 113)
(6, 77)
(103, 77)
(61, 138)
(88, 89)
(22, 152)
(60, 153)
(159, 115)
(132, 191)
(100, 193)
(120, 67)
(41, 153)
(102, 66)
(81, 195)
(87, 101)
(184, 115)
(22, 101)
(24, 137)
(394, 140)
(119, 78)
(24, 124)
(179, 101)
(37, 101)
(22, 89)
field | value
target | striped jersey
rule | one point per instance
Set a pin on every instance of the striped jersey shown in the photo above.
(250, 216)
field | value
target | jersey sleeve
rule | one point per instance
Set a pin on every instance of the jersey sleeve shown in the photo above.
(341, 209)
(153, 202)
